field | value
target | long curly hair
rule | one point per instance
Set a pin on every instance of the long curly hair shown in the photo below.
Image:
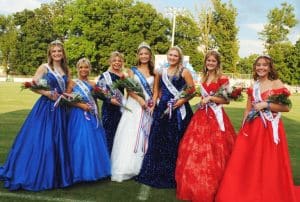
(272, 75)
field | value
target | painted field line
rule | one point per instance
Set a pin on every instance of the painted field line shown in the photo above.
(38, 198)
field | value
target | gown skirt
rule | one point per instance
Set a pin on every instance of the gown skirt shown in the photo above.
(158, 168)
(259, 169)
(38, 159)
(89, 156)
(202, 156)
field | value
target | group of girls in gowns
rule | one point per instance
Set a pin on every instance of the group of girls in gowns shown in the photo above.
(157, 139)
(158, 168)
(57, 145)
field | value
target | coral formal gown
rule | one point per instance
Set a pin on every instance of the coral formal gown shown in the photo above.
(259, 169)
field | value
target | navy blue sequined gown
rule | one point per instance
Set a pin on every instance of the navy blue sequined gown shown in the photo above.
(158, 168)
(111, 115)
(38, 159)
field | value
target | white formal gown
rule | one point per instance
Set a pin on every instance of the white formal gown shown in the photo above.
(127, 152)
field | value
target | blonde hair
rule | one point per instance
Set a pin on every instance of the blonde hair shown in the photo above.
(218, 70)
(180, 53)
(114, 55)
(84, 62)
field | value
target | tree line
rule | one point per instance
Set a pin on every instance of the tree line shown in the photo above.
(95, 28)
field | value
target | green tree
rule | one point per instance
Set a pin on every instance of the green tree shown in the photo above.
(187, 37)
(96, 28)
(292, 63)
(280, 53)
(8, 37)
(205, 21)
(224, 34)
(275, 33)
(34, 34)
(281, 20)
(245, 64)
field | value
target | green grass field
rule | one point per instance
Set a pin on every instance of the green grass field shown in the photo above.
(15, 105)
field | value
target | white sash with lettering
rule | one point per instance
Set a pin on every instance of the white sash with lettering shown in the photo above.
(107, 78)
(145, 121)
(173, 90)
(217, 109)
(88, 95)
(109, 82)
(268, 115)
(58, 77)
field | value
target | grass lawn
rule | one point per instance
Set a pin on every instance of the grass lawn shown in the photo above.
(15, 106)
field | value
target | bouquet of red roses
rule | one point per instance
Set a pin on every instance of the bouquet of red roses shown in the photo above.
(282, 98)
(230, 92)
(187, 92)
(70, 98)
(40, 84)
(104, 93)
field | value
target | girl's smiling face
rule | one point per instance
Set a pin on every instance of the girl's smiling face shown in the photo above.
(56, 53)
(116, 63)
(211, 63)
(262, 67)
(144, 55)
(173, 57)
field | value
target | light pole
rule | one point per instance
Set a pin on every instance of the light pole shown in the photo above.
(173, 28)
(174, 11)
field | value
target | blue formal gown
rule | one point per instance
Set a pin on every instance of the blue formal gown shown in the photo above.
(38, 159)
(111, 115)
(87, 144)
(158, 168)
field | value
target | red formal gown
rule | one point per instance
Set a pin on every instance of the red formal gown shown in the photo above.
(203, 153)
(259, 170)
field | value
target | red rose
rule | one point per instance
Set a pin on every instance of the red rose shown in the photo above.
(122, 77)
(236, 93)
(150, 103)
(286, 92)
(27, 84)
(97, 89)
(190, 90)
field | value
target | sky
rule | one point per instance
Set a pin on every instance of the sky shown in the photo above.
(252, 15)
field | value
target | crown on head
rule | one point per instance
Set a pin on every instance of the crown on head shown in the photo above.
(55, 42)
(265, 56)
(144, 45)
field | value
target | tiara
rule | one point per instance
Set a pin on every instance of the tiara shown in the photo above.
(177, 47)
(55, 42)
(266, 56)
(144, 45)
